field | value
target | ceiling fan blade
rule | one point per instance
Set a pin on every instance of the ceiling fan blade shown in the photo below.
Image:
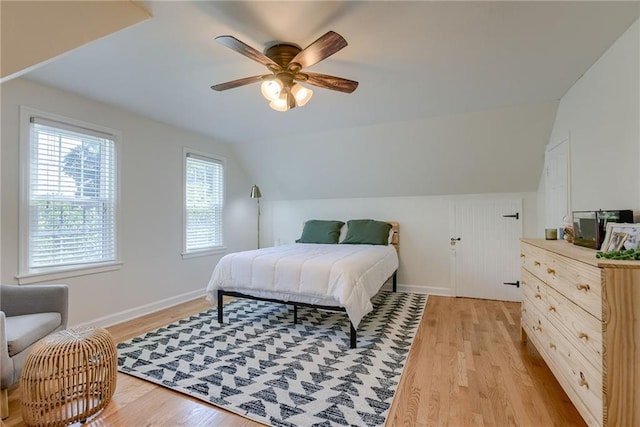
(246, 50)
(236, 83)
(320, 49)
(331, 82)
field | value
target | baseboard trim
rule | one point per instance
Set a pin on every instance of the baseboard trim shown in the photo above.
(126, 315)
(417, 289)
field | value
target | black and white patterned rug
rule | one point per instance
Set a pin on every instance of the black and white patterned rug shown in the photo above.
(260, 365)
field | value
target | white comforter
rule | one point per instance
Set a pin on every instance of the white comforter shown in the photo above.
(334, 275)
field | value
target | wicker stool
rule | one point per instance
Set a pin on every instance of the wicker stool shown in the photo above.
(68, 376)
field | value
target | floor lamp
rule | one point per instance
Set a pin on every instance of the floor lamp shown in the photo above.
(255, 194)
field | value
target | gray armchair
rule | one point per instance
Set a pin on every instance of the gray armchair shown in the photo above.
(27, 314)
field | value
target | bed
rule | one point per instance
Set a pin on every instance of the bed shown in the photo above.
(317, 271)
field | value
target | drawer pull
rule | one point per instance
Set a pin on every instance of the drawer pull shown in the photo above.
(536, 263)
(551, 271)
(583, 287)
(582, 335)
(552, 346)
(552, 308)
(538, 296)
(583, 382)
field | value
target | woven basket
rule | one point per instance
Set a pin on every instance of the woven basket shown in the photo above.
(68, 376)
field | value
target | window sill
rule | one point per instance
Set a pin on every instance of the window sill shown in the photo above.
(51, 275)
(205, 252)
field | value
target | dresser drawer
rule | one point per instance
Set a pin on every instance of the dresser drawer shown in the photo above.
(533, 259)
(534, 289)
(534, 322)
(579, 328)
(581, 381)
(579, 282)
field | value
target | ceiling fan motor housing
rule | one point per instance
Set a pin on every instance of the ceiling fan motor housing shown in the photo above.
(282, 53)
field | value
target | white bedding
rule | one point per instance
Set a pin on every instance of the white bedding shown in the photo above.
(333, 275)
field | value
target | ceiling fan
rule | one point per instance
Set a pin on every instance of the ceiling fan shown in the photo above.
(286, 62)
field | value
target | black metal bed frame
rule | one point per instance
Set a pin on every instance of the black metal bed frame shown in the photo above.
(353, 333)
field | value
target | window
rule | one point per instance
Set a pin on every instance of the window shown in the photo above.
(204, 201)
(68, 211)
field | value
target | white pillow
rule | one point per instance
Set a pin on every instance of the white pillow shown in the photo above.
(343, 233)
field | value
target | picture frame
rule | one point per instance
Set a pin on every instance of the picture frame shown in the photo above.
(630, 241)
(616, 242)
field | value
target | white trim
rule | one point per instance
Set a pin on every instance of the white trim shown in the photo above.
(452, 249)
(49, 275)
(24, 274)
(134, 313)
(28, 111)
(419, 289)
(549, 148)
(215, 158)
(553, 144)
(23, 220)
(205, 252)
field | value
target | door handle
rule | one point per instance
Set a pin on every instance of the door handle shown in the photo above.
(454, 240)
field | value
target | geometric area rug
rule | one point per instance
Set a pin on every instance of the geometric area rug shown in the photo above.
(258, 364)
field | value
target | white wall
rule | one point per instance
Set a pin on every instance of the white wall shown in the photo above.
(601, 113)
(424, 230)
(154, 274)
(490, 151)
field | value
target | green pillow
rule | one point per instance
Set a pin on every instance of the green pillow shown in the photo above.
(320, 231)
(367, 232)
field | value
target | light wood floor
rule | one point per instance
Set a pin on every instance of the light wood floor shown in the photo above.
(467, 367)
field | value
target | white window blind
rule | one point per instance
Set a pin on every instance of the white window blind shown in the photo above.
(72, 196)
(204, 199)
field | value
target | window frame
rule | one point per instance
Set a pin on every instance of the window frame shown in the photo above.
(213, 250)
(26, 274)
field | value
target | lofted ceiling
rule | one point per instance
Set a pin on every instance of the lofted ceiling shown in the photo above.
(61, 27)
(414, 61)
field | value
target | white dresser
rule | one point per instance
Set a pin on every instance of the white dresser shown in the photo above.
(583, 316)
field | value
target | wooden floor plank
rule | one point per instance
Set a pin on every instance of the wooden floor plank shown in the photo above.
(467, 367)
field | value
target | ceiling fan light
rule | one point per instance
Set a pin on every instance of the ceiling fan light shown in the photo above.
(271, 89)
(302, 94)
(280, 103)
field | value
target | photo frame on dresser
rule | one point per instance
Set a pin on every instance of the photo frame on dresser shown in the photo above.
(616, 242)
(615, 239)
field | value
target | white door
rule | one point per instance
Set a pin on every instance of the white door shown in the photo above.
(485, 248)
(557, 184)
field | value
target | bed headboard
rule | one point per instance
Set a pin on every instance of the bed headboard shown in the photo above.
(395, 240)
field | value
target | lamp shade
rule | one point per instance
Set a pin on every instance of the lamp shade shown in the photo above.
(271, 89)
(280, 103)
(302, 94)
(255, 192)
